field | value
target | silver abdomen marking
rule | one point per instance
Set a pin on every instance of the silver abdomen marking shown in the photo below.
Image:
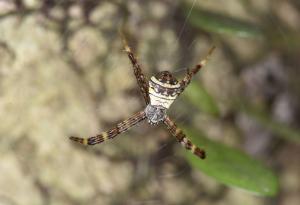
(162, 94)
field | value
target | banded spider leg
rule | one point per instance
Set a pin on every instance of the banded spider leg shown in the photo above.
(110, 134)
(140, 77)
(190, 73)
(182, 139)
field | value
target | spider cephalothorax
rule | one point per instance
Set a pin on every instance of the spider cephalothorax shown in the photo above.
(159, 94)
(166, 78)
(155, 114)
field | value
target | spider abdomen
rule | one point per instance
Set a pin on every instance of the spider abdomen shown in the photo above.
(162, 93)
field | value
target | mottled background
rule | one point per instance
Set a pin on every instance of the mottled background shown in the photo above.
(63, 72)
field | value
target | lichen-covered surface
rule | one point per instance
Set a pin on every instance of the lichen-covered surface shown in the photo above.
(63, 72)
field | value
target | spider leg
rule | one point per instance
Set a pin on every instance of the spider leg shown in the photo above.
(181, 137)
(190, 73)
(140, 77)
(110, 134)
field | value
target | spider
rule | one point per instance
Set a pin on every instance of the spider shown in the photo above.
(159, 93)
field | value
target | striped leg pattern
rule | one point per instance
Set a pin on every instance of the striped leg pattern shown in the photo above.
(181, 137)
(190, 73)
(140, 77)
(110, 134)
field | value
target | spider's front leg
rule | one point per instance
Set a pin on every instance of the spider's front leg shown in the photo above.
(110, 134)
(140, 77)
(181, 137)
(190, 73)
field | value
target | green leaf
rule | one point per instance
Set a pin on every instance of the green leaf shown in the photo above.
(232, 167)
(221, 24)
(200, 98)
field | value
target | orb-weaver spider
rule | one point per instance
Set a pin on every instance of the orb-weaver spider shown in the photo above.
(159, 93)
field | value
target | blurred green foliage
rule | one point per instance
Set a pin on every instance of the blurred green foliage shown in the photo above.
(226, 164)
(232, 167)
(221, 24)
(200, 98)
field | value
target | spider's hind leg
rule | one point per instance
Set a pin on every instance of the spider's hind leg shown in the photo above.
(181, 137)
